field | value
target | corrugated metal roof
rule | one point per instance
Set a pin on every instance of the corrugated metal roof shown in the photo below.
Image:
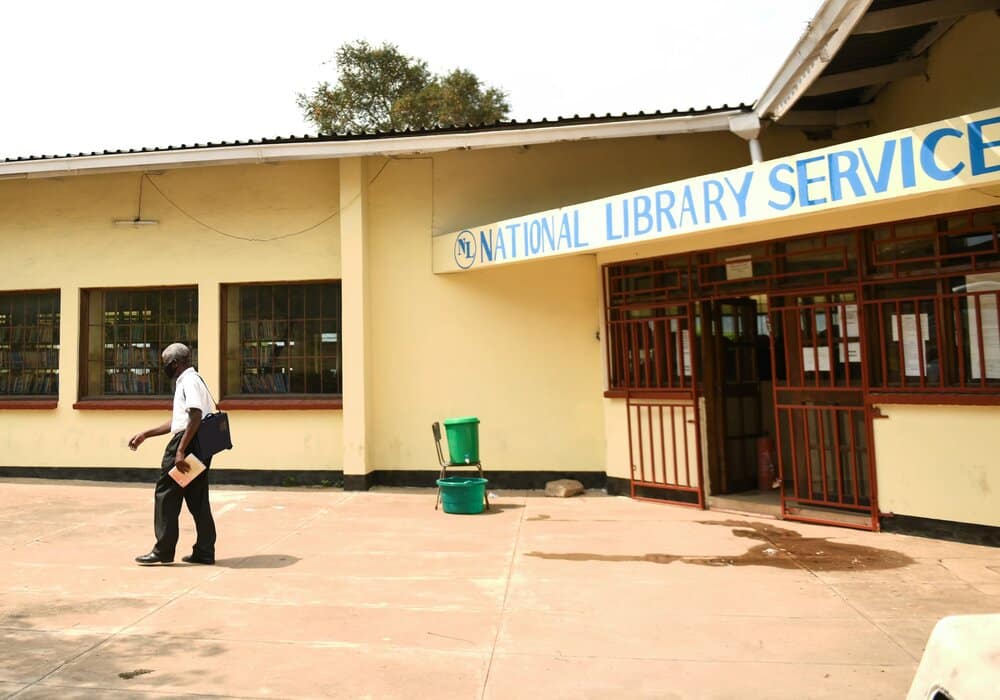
(495, 126)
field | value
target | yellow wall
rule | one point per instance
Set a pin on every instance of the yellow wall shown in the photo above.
(515, 347)
(962, 71)
(939, 462)
(58, 233)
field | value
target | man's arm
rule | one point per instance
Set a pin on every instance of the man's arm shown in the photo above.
(194, 422)
(139, 438)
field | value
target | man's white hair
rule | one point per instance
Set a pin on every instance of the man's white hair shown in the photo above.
(177, 351)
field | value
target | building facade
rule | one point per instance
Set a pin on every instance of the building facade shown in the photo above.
(653, 308)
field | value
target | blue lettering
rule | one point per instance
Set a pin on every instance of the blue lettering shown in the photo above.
(929, 162)
(906, 161)
(641, 207)
(512, 231)
(663, 210)
(850, 174)
(801, 167)
(783, 187)
(550, 235)
(625, 218)
(535, 236)
(741, 193)
(500, 251)
(978, 147)
(609, 227)
(564, 232)
(712, 199)
(687, 207)
(881, 183)
(486, 246)
(577, 243)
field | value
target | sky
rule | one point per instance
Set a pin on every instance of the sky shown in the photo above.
(83, 76)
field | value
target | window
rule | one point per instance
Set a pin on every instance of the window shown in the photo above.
(29, 344)
(124, 333)
(282, 339)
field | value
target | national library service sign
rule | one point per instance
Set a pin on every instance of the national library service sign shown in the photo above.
(948, 154)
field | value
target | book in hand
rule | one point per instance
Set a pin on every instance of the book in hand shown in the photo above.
(197, 467)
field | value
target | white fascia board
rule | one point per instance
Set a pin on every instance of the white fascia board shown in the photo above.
(394, 146)
(826, 33)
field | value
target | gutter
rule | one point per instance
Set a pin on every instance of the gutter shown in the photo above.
(386, 147)
(826, 33)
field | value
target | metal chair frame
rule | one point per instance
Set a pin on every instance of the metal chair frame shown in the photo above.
(447, 464)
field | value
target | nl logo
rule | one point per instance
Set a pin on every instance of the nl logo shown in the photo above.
(465, 250)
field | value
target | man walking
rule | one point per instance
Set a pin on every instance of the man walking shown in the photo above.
(191, 402)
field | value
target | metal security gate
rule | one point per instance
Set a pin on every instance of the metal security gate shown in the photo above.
(823, 424)
(655, 349)
(665, 449)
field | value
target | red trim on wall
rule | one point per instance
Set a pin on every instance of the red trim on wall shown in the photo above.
(124, 405)
(28, 404)
(279, 404)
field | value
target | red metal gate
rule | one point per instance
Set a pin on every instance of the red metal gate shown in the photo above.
(656, 355)
(823, 421)
(665, 449)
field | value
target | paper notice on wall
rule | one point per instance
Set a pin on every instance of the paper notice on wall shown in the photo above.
(849, 328)
(911, 349)
(682, 350)
(990, 325)
(810, 356)
(853, 352)
(739, 268)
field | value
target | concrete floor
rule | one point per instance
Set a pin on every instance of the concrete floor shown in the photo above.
(320, 593)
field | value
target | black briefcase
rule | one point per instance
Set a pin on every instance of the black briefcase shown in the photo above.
(213, 434)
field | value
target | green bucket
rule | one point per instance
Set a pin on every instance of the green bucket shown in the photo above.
(463, 439)
(462, 494)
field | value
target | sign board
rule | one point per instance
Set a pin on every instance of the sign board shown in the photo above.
(950, 154)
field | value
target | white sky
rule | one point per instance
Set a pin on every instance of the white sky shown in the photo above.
(106, 74)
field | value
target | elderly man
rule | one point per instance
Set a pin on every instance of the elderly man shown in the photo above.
(191, 401)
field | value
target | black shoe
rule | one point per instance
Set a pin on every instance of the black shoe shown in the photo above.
(153, 558)
(195, 559)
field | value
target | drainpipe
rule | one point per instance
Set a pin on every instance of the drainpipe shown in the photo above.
(747, 126)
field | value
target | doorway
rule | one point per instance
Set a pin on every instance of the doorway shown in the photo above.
(739, 405)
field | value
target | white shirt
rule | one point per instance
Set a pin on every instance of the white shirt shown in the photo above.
(189, 393)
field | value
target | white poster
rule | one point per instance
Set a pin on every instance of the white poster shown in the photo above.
(911, 353)
(682, 351)
(849, 328)
(853, 352)
(990, 325)
(811, 354)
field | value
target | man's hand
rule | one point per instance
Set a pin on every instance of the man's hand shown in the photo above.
(136, 440)
(182, 466)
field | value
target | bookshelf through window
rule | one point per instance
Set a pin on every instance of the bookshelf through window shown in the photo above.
(125, 330)
(29, 344)
(282, 339)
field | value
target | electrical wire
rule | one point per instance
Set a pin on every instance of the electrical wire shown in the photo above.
(251, 239)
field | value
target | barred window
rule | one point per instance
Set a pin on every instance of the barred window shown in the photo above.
(282, 339)
(29, 344)
(124, 333)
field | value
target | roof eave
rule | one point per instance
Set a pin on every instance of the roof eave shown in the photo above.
(383, 146)
(827, 31)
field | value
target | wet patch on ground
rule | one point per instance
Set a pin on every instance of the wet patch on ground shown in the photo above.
(779, 548)
(129, 675)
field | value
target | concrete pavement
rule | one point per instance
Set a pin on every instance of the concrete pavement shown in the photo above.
(324, 594)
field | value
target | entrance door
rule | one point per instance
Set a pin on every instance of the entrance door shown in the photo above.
(733, 382)
(823, 425)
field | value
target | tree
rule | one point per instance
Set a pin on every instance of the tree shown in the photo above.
(380, 89)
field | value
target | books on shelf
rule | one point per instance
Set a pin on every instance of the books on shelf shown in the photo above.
(270, 383)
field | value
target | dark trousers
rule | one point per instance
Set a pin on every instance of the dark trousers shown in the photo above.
(167, 508)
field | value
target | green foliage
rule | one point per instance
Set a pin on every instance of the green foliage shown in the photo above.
(380, 89)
